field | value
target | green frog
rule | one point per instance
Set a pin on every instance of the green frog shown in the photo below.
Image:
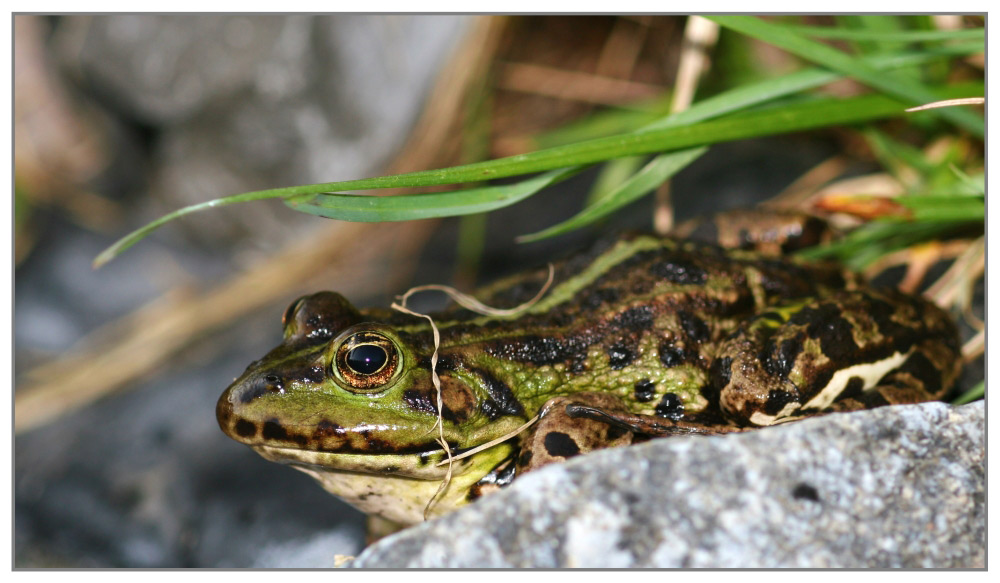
(639, 337)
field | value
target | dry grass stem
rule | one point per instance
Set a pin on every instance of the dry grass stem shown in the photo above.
(470, 303)
(955, 285)
(700, 35)
(949, 103)
(496, 441)
(805, 187)
(975, 347)
(572, 85)
(918, 260)
(622, 47)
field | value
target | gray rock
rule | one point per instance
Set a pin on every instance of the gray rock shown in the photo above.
(892, 487)
(245, 102)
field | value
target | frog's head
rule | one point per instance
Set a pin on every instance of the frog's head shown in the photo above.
(347, 390)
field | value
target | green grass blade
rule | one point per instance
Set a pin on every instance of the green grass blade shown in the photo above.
(873, 240)
(907, 36)
(139, 234)
(611, 175)
(365, 208)
(972, 184)
(601, 125)
(907, 90)
(651, 176)
(948, 207)
(976, 392)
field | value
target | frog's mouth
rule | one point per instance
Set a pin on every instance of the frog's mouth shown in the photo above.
(424, 465)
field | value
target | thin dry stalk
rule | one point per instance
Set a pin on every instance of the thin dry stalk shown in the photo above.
(472, 304)
(805, 187)
(955, 285)
(700, 35)
(622, 47)
(950, 103)
(918, 260)
(572, 85)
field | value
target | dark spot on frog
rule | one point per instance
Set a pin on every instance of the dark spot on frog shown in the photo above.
(525, 458)
(680, 271)
(326, 428)
(645, 391)
(881, 313)
(922, 369)
(245, 428)
(722, 371)
(313, 374)
(637, 319)
(693, 326)
(620, 355)
(671, 355)
(501, 400)
(826, 324)
(543, 350)
(854, 389)
(776, 401)
(780, 360)
(274, 431)
(803, 491)
(670, 407)
(419, 401)
(595, 299)
(614, 432)
(559, 444)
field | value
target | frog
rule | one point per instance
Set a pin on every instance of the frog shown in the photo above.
(639, 337)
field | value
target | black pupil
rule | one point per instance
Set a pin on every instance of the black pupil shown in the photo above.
(367, 358)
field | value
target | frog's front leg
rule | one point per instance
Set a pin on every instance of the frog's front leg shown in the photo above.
(571, 425)
(558, 436)
(852, 350)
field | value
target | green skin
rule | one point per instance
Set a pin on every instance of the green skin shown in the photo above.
(645, 337)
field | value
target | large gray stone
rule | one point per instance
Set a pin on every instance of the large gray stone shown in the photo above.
(892, 487)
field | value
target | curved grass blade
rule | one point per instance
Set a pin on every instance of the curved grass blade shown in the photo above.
(902, 88)
(651, 176)
(790, 118)
(139, 234)
(365, 208)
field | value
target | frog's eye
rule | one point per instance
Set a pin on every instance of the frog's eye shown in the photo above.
(366, 360)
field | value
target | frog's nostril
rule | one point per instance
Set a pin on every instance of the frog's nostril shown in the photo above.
(260, 386)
